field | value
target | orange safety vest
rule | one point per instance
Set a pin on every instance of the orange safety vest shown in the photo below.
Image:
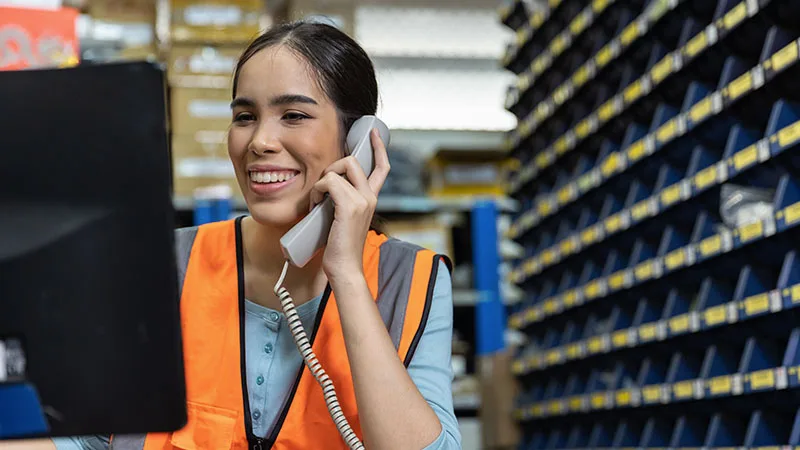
(400, 277)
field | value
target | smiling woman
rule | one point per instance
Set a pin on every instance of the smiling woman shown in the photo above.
(378, 311)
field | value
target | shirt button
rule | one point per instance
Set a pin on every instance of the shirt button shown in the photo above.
(268, 348)
(273, 316)
(256, 414)
(260, 380)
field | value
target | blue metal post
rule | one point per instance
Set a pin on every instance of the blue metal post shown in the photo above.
(490, 315)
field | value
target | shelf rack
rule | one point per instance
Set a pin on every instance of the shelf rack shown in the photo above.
(654, 318)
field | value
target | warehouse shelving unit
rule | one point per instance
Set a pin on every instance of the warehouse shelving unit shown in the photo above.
(653, 319)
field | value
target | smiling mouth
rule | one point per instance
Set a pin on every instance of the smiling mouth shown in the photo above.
(269, 177)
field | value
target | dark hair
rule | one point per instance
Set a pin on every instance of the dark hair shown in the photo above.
(342, 68)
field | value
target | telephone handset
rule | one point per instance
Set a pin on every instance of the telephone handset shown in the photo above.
(303, 241)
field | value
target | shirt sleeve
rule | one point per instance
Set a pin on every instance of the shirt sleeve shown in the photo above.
(81, 443)
(431, 368)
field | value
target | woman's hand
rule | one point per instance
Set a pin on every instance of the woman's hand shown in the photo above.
(354, 201)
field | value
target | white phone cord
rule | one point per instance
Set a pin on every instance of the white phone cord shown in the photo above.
(303, 344)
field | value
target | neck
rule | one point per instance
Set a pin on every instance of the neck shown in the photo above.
(264, 262)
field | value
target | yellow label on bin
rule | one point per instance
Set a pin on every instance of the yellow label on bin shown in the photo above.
(570, 298)
(551, 306)
(554, 3)
(614, 223)
(576, 403)
(751, 231)
(630, 33)
(671, 195)
(573, 351)
(540, 63)
(607, 110)
(762, 379)
(595, 344)
(633, 92)
(620, 338)
(745, 157)
(716, 315)
(651, 394)
(543, 159)
(740, 86)
(558, 44)
(553, 356)
(599, 5)
(578, 24)
(583, 129)
(675, 259)
(662, 69)
(706, 177)
(623, 397)
(617, 280)
(756, 304)
(581, 76)
(721, 385)
(538, 410)
(644, 271)
(784, 57)
(593, 289)
(679, 324)
(589, 235)
(735, 15)
(711, 245)
(667, 131)
(567, 247)
(697, 44)
(555, 407)
(789, 135)
(561, 145)
(791, 214)
(636, 150)
(548, 257)
(647, 332)
(701, 109)
(598, 401)
(640, 210)
(605, 55)
(683, 389)
(611, 164)
(565, 194)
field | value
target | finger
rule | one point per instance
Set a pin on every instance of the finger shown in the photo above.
(339, 189)
(351, 168)
(381, 170)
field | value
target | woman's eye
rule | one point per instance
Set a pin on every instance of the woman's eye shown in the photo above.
(294, 116)
(243, 117)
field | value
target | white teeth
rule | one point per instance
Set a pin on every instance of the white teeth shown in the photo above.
(271, 177)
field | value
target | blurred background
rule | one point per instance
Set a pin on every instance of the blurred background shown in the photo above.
(441, 93)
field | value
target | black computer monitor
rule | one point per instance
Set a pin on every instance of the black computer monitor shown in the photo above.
(89, 308)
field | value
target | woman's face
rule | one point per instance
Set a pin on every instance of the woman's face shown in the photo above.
(285, 132)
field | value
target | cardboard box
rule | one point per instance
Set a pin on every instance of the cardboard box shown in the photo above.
(201, 160)
(426, 232)
(197, 110)
(498, 389)
(203, 66)
(123, 10)
(466, 173)
(217, 21)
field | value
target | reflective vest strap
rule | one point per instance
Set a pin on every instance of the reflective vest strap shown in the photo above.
(184, 241)
(127, 442)
(419, 303)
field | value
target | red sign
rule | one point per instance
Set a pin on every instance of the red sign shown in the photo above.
(31, 38)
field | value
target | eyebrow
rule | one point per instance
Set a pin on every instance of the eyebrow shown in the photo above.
(283, 99)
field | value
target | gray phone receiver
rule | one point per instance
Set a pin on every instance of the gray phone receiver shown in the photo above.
(305, 239)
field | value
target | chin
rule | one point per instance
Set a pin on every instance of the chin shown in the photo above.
(278, 215)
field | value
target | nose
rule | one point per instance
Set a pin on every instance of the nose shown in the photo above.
(265, 139)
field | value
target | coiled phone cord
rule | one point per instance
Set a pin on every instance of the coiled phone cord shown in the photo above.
(303, 344)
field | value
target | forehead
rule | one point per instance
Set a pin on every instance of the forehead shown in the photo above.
(275, 71)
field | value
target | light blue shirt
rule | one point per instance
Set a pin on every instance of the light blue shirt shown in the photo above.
(272, 362)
